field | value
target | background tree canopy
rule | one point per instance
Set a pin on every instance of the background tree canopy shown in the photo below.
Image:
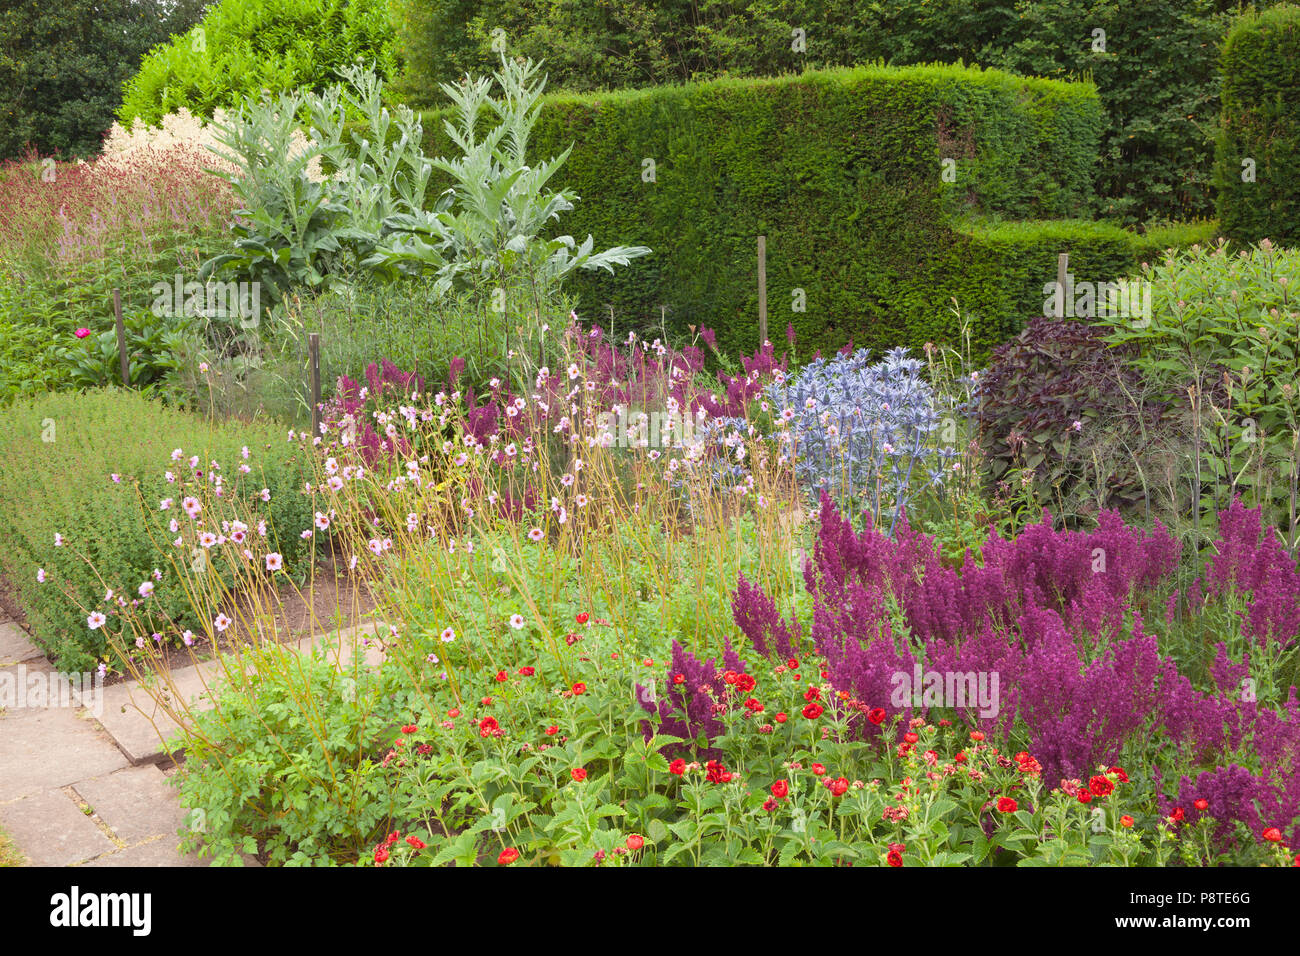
(62, 66)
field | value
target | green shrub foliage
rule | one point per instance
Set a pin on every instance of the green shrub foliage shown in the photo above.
(843, 171)
(58, 454)
(1259, 140)
(242, 47)
(1154, 61)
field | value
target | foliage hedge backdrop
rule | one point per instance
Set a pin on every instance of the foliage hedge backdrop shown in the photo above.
(62, 66)
(248, 45)
(1156, 75)
(841, 170)
(1261, 122)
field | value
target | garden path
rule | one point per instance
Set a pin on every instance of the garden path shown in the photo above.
(84, 771)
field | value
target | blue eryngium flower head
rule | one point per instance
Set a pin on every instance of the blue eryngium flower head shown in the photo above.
(859, 427)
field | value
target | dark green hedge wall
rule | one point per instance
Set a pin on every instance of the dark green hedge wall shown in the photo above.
(1261, 122)
(1155, 62)
(841, 170)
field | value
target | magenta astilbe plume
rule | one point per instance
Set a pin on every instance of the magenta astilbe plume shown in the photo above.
(454, 371)
(1250, 560)
(690, 709)
(756, 615)
(1060, 617)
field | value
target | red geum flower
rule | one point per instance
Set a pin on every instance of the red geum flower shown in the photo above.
(813, 711)
(977, 735)
(679, 679)
(488, 726)
(1101, 786)
(876, 715)
(579, 688)
(745, 683)
(409, 728)
(839, 786)
(1177, 816)
(1273, 835)
(584, 617)
(894, 858)
(769, 804)
(960, 757)
(781, 789)
(910, 737)
(716, 772)
(502, 676)
(1027, 764)
(780, 718)
(486, 701)
(818, 769)
(753, 705)
(1007, 805)
(677, 767)
(416, 842)
(552, 730)
(527, 671)
(579, 774)
(454, 712)
(1202, 804)
(393, 838)
(635, 841)
(792, 664)
(1083, 795)
(729, 677)
(812, 693)
(1126, 821)
(508, 856)
(1119, 772)
(381, 853)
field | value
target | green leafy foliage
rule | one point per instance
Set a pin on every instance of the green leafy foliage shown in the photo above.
(1259, 140)
(484, 233)
(1222, 349)
(242, 47)
(842, 172)
(299, 227)
(313, 728)
(62, 67)
(56, 460)
(1154, 61)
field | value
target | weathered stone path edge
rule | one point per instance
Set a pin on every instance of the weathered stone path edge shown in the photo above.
(83, 773)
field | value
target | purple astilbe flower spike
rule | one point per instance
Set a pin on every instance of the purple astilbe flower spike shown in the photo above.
(689, 709)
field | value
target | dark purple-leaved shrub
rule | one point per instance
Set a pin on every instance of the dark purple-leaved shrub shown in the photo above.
(1043, 399)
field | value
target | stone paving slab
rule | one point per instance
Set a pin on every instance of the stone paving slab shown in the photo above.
(137, 803)
(52, 831)
(14, 645)
(139, 724)
(35, 685)
(154, 854)
(40, 749)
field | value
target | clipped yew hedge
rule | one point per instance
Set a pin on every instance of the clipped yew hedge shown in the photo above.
(842, 170)
(1259, 142)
